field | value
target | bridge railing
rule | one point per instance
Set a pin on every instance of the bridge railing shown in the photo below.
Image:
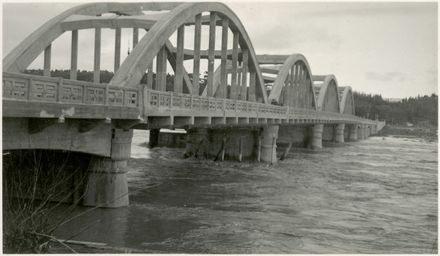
(160, 103)
(58, 90)
(33, 88)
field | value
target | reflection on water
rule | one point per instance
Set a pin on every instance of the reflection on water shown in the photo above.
(373, 196)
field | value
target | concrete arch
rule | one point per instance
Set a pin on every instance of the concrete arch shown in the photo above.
(134, 66)
(160, 27)
(29, 49)
(347, 104)
(327, 95)
(285, 73)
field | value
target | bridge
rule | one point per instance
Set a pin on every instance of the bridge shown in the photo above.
(247, 106)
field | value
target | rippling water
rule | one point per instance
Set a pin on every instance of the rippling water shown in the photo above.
(372, 196)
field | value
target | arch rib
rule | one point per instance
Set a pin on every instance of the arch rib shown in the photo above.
(23, 55)
(287, 61)
(329, 82)
(345, 96)
(131, 71)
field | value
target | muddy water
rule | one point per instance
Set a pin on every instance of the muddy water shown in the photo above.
(373, 196)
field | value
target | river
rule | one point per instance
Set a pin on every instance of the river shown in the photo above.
(373, 196)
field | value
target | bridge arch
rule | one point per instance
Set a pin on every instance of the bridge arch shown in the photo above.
(347, 105)
(327, 95)
(133, 68)
(292, 85)
(155, 43)
(29, 49)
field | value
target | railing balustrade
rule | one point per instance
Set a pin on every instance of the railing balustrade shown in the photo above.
(24, 87)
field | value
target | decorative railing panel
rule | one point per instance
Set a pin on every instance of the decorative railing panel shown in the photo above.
(49, 89)
(230, 107)
(23, 87)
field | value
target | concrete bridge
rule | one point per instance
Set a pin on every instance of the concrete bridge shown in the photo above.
(249, 105)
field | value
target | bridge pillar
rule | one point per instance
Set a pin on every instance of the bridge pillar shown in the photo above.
(317, 136)
(154, 138)
(360, 131)
(353, 135)
(107, 180)
(269, 144)
(339, 133)
(196, 141)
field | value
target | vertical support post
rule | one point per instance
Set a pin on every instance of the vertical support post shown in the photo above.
(291, 87)
(154, 138)
(224, 75)
(197, 42)
(317, 136)
(234, 88)
(259, 149)
(97, 60)
(223, 147)
(240, 149)
(74, 55)
(47, 59)
(295, 92)
(161, 69)
(353, 132)
(211, 49)
(135, 36)
(268, 144)
(117, 49)
(150, 76)
(252, 85)
(178, 78)
(244, 73)
(339, 133)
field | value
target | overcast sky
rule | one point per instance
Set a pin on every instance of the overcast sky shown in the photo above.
(381, 48)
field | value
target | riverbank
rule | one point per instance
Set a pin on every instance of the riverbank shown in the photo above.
(427, 133)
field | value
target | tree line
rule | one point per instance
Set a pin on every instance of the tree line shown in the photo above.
(415, 110)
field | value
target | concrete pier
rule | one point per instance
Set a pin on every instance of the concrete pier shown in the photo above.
(339, 133)
(360, 131)
(196, 140)
(353, 133)
(269, 144)
(107, 179)
(317, 136)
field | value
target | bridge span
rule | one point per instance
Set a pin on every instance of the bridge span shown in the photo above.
(246, 107)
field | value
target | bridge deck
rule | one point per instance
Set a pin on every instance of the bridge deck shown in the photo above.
(35, 96)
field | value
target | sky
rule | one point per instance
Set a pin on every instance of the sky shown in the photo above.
(374, 47)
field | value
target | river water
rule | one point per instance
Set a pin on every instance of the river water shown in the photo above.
(373, 196)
